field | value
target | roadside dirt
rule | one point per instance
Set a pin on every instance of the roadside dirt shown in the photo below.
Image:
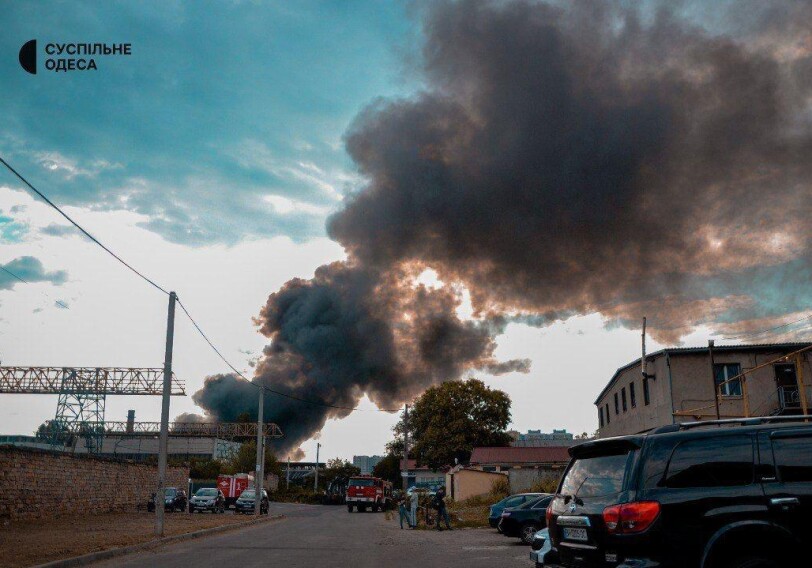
(36, 542)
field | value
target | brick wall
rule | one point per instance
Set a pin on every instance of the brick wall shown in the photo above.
(37, 483)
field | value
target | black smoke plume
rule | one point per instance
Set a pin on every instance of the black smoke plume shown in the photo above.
(597, 157)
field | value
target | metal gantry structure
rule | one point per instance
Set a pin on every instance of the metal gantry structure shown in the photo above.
(82, 395)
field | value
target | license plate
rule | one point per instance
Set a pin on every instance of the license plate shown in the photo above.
(575, 534)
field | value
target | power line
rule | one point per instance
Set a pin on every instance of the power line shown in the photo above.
(60, 303)
(751, 333)
(278, 393)
(78, 226)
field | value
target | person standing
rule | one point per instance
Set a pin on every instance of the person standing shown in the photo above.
(442, 511)
(404, 513)
(414, 497)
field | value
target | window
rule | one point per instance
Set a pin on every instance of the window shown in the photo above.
(514, 501)
(632, 395)
(617, 405)
(600, 416)
(793, 456)
(599, 477)
(711, 462)
(646, 394)
(542, 503)
(725, 371)
(608, 416)
(623, 397)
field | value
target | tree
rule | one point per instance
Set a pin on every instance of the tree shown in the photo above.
(338, 468)
(245, 461)
(449, 420)
(204, 468)
(389, 469)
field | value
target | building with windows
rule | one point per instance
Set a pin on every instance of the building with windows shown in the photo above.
(539, 439)
(681, 381)
(366, 463)
(423, 476)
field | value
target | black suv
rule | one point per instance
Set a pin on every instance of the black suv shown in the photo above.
(720, 494)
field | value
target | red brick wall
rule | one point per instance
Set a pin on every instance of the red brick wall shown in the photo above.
(36, 483)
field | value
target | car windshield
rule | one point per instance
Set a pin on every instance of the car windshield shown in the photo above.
(247, 494)
(595, 476)
(206, 493)
(171, 492)
(362, 482)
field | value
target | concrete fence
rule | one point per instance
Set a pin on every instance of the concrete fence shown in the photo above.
(37, 483)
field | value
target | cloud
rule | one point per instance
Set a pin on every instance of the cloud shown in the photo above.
(54, 230)
(11, 230)
(70, 168)
(86, 150)
(29, 269)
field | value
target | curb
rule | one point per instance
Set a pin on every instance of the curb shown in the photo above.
(155, 543)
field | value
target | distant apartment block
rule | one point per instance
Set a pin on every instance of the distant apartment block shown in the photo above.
(681, 383)
(366, 463)
(539, 439)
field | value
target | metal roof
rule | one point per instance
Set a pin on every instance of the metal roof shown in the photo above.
(524, 455)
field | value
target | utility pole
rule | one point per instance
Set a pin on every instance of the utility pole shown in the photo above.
(713, 379)
(405, 469)
(163, 442)
(260, 469)
(287, 475)
(316, 478)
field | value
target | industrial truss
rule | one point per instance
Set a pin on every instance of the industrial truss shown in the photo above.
(86, 381)
(82, 395)
(221, 430)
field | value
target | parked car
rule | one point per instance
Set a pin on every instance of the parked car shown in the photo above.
(540, 546)
(208, 499)
(495, 513)
(716, 494)
(175, 500)
(525, 520)
(246, 502)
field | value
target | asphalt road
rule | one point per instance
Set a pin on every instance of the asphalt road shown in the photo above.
(316, 536)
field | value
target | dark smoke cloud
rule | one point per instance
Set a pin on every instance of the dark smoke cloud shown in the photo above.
(561, 161)
(349, 332)
(572, 159)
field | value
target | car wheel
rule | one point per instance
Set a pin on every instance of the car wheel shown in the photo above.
(528, 532)
(349, 508)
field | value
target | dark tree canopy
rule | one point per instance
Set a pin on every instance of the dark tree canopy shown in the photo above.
(245, 461)
(448, 420)
(389, 469)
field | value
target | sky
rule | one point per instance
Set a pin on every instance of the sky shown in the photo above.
(211, 159)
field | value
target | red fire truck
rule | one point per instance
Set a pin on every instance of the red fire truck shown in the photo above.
(366, 491)
(233, 485)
